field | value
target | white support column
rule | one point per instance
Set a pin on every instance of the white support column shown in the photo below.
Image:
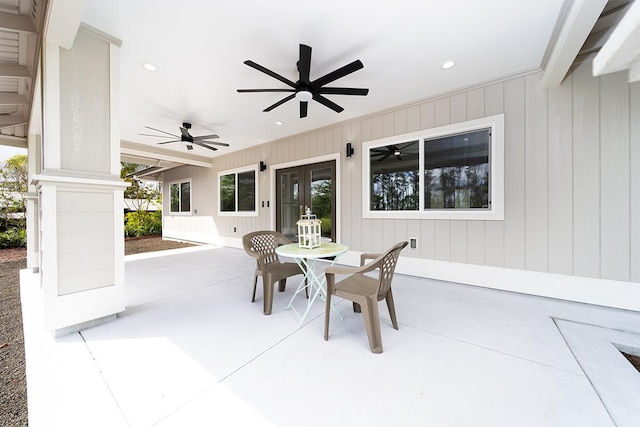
(79, 190)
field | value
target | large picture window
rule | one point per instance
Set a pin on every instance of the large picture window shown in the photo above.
(451, 172)
(456, 171)
(238, 192)
(180, 197)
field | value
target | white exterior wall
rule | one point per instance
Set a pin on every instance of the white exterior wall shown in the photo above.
(572, 190)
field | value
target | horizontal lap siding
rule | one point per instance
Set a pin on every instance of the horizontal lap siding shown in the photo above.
(572, 178)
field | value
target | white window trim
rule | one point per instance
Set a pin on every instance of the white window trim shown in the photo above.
(182, 181)
(496, 213)
(253, 213)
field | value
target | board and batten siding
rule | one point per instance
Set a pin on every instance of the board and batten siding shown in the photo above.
(572, 178)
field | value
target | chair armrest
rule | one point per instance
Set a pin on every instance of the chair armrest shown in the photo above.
(367, 256)
(351, 270)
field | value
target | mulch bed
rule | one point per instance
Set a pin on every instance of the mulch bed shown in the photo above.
(13, 380)
(634, 360)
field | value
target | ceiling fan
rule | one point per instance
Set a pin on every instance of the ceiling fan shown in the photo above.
(304, 90)
(185, 136)
(393, 150)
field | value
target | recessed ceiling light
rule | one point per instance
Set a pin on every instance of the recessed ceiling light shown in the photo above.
(448, 64)
(149, 66)
(279, 123)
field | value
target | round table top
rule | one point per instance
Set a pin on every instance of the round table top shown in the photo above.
(325, 250)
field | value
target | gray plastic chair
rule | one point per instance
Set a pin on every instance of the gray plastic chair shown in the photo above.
(365, 291)
(262, 245)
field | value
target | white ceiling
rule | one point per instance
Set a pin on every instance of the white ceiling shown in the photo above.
(199, 47)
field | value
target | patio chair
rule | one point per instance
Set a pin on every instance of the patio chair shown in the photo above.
(365, 291)
(262, 245)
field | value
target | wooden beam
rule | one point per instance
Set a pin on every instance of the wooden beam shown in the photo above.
(622, 50)
(578, 22)
(12, 99)
(11, 120)
(15, 22)
(13, 141)
(9, 70)
(128, 148)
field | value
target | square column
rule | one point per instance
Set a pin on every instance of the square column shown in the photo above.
(79, 190)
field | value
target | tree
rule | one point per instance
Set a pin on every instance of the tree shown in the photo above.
(13, 191)
(140, 195)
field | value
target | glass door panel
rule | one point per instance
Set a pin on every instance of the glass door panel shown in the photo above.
(305, 186)
(322, 198)
(288, 205)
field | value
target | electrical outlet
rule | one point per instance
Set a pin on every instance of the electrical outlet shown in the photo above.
(235, 229)
(413, 243)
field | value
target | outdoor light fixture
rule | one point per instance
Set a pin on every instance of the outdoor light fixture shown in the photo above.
(349, 149)
(263, 166)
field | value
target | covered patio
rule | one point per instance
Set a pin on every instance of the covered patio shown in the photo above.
(190, 349)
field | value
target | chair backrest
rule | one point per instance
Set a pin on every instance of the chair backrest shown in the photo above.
(388, 266)
(264, 242)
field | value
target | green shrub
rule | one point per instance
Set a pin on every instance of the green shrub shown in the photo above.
(325, 226)
(142, 223)
(13, 238)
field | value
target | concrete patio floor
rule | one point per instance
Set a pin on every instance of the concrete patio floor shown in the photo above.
(191, 350)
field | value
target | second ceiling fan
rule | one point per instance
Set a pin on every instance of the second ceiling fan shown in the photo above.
(185, 136)
(304, 89)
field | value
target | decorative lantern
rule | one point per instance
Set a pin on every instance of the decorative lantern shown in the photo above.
(309, 231)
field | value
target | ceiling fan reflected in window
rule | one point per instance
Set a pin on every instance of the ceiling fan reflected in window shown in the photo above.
(305, 90)
(185, 136)
(400, 152)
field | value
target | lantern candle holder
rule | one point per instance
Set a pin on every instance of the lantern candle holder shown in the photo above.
(309, 231)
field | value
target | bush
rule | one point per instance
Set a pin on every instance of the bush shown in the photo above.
(13, 238)
(143, 223)
(325, 226)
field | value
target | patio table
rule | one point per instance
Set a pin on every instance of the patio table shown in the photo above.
(306, 259)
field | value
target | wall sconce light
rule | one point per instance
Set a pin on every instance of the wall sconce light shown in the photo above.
(263, 166)
(350, 150)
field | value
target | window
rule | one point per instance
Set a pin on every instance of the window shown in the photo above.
(238, 192)
(456, 171)
(180, 197)
(452, 172)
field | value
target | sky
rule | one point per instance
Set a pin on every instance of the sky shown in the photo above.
(8, 152)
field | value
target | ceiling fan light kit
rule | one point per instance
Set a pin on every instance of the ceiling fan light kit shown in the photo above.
(305, 90)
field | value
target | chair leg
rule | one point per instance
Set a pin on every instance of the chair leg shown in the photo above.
(282, 285)
(255, 285)
(372, 323)
(327, 310)
(267, 287)
(392, 309)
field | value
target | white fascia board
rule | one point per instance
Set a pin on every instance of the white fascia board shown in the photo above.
(578, 22)
(622, 50)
